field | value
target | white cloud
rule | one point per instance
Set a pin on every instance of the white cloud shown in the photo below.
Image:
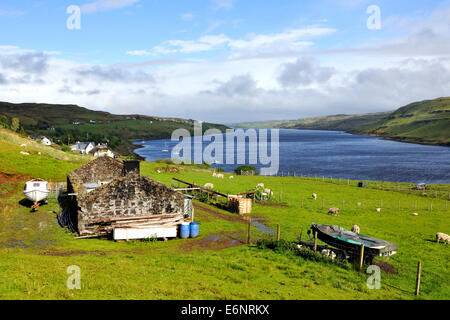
(304, 71)
(288, 40)
(105, 5)
(11, 13)
(139, 53)
(222, 4)
(187, 16)
(247, 90)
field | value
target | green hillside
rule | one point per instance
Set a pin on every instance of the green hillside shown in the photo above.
(335, 122)
(69, 123)
(420, 122)
(426, 122)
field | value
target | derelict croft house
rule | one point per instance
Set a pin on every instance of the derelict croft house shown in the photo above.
(107, 195)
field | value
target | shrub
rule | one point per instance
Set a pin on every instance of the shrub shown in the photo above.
(245, 169)
(166, 161)
(65, 148)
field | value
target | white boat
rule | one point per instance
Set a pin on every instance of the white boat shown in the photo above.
(36, 190)
(166, 149)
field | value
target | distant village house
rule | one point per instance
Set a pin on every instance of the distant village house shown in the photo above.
(101, 151)
(83, 147)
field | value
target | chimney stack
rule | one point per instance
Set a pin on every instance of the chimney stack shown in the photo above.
(131, 167)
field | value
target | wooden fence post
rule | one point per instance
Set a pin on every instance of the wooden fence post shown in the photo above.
(419, 271)
(361, 261)
(315, 241)
(303, 199)
(278, 232)
(249, 229)
(323, 203)
(431, 205)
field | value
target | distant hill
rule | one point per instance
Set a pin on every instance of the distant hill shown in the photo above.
(426, 122)
(336, 122)
(69, 123)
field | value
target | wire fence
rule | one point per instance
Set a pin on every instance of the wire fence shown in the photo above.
(441, 191)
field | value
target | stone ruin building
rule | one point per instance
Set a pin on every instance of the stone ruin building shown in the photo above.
(107, 188)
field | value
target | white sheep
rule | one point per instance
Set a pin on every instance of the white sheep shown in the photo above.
(269, 192)
(314, 196)
(328, 253)
(415, 214)
(442, 236)
(333, 211)
(356, 229)
(220, 176)
(23, 145)
(24, 153)
(378, 209)
(209, 186)
(260, 185)
(231, 177)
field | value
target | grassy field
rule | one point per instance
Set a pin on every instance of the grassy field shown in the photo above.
(35, 252)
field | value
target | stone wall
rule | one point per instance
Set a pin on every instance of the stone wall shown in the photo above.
(100, 169)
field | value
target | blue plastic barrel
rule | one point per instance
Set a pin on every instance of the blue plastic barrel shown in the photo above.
(184, 230)
(195, 229)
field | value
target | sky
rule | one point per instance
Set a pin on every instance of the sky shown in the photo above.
(225, 61)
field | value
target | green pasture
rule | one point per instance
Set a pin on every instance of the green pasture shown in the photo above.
(35, 252)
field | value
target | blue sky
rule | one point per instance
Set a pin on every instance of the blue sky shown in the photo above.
(225, 60)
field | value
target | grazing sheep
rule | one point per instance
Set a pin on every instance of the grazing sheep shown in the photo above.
(314, 196)
(209, 186)
(214, 174)
(231, 177)
(415, 214)
(328, 253)
(260, 185)
(333, 211)
(378, 209)
(220, 176)
(269, 192)
(356, 229)
(442, 236)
